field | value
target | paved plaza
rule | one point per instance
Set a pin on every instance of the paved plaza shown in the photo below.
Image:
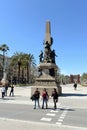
(75, 99)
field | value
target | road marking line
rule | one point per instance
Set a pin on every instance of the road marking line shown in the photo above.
(60, 120)
(55, 111)
(62, 117)
(50, 114)
(63, 114)
(58, 123)
(46, 119)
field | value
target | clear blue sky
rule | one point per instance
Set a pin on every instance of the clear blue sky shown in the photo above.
(22, 28)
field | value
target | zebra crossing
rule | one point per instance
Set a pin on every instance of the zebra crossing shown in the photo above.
(60, 115)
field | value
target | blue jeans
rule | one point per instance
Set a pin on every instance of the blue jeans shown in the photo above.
(36, 101)
(44, 101)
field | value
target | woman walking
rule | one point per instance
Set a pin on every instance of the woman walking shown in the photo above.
(55, 97)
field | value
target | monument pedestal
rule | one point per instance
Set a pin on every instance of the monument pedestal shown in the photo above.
(45, 80)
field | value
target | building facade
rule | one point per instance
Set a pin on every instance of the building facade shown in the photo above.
(74, 78)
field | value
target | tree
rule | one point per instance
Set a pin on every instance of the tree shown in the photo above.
(4, 48)
(64, 79)
(23, 62)
(84, 78)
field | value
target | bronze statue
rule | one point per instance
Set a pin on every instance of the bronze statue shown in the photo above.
(41, 56)
(53, 54)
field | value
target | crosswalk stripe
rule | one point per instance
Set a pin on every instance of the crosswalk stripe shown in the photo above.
(60, 120)
(62, 117)
(50, 114)
(58, 123)
(55, 111)
(46, 119)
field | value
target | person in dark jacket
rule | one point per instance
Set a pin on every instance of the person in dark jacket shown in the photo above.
(12, 91)
(55, 97)
(36, 98)
(75, 86)
(6, 88)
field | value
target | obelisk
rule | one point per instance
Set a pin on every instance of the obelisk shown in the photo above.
(48, 33)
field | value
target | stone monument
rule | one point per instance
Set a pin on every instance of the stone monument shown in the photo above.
(47, 68)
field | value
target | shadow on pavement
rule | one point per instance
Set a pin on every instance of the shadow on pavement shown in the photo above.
(72, 94)
(7, 98)
(69, 109)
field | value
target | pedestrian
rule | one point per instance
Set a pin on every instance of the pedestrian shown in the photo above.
(55, 97)
(3, 91)
(75, 86)
(36, 96)
(6, 89)
(45, 98)
(12, 91)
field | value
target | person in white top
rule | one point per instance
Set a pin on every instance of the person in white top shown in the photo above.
(3, 91)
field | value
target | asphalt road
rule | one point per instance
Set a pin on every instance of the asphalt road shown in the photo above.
(17, 113)
(64, 115)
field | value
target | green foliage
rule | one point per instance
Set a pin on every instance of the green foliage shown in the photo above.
(23, 58)
(20, 67)
(64, 79)
(4, 48)
(84, 77)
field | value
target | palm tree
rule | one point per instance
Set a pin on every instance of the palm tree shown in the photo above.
(23, 62)
(29, 66)
(4, 48)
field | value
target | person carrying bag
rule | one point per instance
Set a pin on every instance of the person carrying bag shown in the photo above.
(55, 97)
